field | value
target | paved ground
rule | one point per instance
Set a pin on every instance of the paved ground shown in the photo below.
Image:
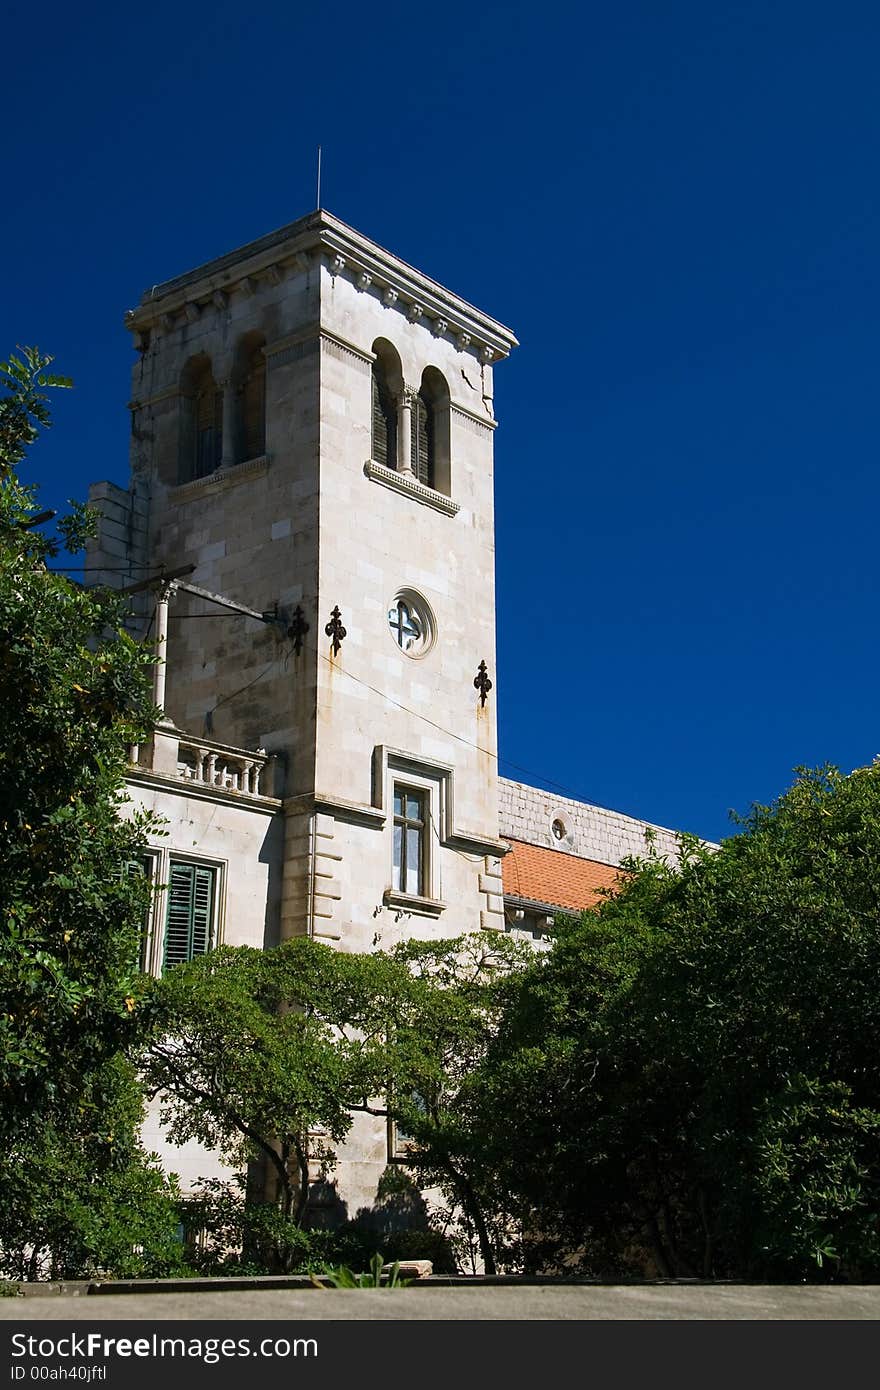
(652, 1302)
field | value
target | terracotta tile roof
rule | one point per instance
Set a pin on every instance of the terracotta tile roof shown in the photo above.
(551, 877)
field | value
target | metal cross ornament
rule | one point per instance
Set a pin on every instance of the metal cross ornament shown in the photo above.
(335, 630)
(405, 625)
(482, 682)
(298, 628)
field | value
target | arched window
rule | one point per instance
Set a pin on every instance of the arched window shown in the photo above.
(252, 405)
(430, 431)
(387, 381)
(201, 434)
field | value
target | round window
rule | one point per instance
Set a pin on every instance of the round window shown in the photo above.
(411, 623)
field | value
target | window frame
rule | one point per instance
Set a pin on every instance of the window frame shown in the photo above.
(392, 768)
(163, 859)
(421, 824)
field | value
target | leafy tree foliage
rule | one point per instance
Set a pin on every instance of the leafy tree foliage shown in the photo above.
(85, 1198)
(440, 1105)
(263, 1055)
(74, 695)
(694, 1068)
(268, 1055)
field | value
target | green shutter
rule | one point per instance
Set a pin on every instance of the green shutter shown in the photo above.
(383, 445)
(190, 912)
(423, 441)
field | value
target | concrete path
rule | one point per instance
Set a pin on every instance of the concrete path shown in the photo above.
(652, 1302)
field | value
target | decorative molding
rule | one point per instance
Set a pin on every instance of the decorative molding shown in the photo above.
(341, 347)
(364, 280)
(223, 478)
(202, 791)
(415, 312)
(167, 321)
(439, 327)
(171, 393)
(487, 354)
(247, 284)
(291, 348)
(219, 299)
(409, 902)
(410, 487)
(352, 812)
(471, 418)
(319, 234)
(470, 843)
(192, 312)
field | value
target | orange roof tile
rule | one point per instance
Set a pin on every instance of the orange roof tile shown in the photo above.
(551, 877)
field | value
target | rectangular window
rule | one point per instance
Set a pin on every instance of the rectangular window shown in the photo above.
(189, 921)
(410, 821)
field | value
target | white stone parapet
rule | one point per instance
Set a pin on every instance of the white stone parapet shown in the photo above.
(203, 761)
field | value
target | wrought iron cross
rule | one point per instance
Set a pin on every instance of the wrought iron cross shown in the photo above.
(298, 628)
(405, 625)
(482, 682)
(335, 630)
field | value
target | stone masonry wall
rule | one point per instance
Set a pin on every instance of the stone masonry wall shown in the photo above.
(591, 832)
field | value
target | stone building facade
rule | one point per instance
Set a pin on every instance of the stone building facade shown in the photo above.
(311, 485)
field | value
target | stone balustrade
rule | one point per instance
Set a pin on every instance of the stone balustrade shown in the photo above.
(204, 762)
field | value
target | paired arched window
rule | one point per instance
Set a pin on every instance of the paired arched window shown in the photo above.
(422, 450)
(203, 418)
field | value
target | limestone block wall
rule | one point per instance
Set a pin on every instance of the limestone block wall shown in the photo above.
(375, 540)
(118, 554)
(591, 832)
(249, 528)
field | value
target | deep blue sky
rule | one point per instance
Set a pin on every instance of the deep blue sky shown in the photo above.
(674, 206)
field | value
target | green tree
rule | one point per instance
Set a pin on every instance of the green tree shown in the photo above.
(86, 1199)
(442, 1035)
(694, 1067)
(74, 694)
(264, 1055)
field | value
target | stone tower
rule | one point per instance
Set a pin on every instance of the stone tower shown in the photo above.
(312, 430)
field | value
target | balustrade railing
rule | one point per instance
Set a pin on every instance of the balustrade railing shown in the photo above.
(204, 762)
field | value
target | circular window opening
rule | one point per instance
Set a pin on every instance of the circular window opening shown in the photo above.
(558, 828)
(411, 623)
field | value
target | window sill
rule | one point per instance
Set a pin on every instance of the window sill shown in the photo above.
(223, 478)
(411, 902)
(410, 487)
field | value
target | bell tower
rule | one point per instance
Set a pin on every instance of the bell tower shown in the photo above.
(312, 430)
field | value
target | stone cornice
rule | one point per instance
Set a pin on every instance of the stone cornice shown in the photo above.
(302, 335)
(200, 791)
(223, 478)
(354, 812)
(410, 487)
(296, 249)
(170, 393)
(484, 421)
(346, 346)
